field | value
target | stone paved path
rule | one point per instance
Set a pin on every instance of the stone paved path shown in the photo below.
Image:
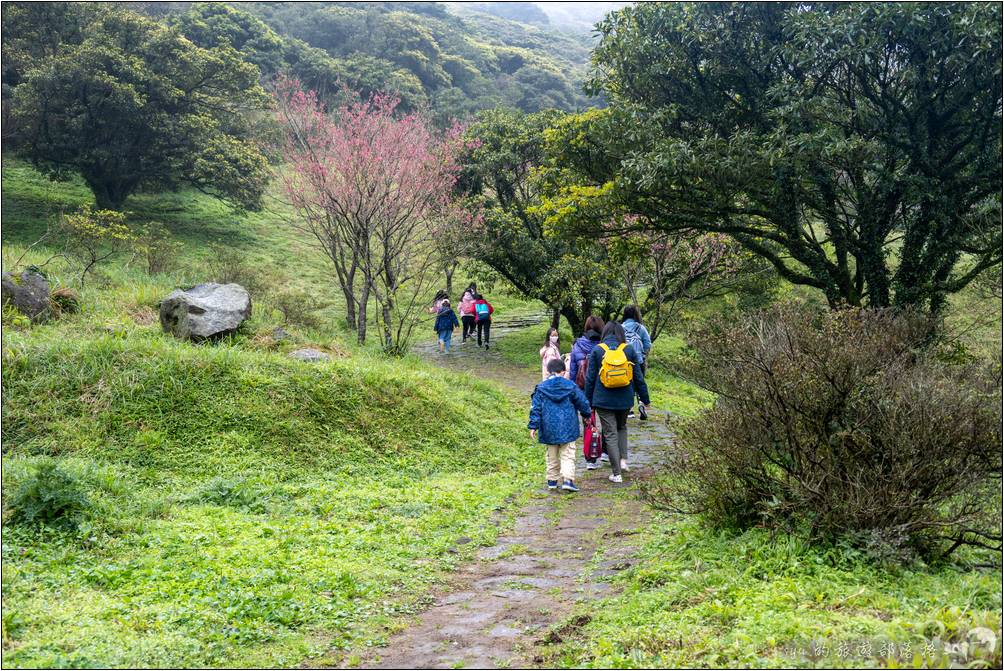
(561, 551)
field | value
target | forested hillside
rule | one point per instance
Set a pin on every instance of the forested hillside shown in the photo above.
(454, 62)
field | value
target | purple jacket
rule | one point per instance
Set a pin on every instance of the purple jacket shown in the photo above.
(580, 350)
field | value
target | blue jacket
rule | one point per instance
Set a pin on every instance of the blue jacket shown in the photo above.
(580, 350)
(621, 398)
(638, 329)
(552, 410)
(446, 320)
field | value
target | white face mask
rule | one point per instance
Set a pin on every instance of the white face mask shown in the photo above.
(554, 340)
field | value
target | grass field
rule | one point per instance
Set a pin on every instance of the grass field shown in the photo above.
(243, 509)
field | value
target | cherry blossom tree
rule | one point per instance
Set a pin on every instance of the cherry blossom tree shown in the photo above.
(370, 186)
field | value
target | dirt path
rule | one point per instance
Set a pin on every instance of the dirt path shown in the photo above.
(563, 548)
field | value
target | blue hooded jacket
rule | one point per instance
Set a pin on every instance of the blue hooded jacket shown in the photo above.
(580, 350)
(621, 398)
(553, 410)
(446, 320)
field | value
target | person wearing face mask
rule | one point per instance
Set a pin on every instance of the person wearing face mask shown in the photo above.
(549, 352)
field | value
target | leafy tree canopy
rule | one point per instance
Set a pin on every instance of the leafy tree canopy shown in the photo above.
(134, 104)
(857, 147)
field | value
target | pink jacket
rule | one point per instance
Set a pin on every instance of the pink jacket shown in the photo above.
(467, 304)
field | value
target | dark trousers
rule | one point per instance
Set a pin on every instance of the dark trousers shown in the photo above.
(468, 322)
(484, 327)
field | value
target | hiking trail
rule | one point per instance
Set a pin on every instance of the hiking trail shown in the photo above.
(496, 610)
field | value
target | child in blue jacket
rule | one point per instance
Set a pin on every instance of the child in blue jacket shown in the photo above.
(446, 321)
(554, 423)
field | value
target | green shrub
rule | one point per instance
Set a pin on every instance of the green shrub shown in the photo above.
(49, 496)
(841, 425)
(155, 247)
(299, 307)
(227, 265)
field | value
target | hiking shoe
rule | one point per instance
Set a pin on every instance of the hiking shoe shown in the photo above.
(591, 466)
(624, 465)
(605, 458)
(486, 346)
(615, 478)
(552, 484)
(631, 413)
(642, 413)
(569, 486)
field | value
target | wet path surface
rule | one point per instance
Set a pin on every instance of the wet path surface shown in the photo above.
(561, 552)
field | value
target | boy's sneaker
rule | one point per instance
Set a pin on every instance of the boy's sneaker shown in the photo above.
(615, 478)
(642, 413)
(631, 413)
(624, 465)
(591, 466)
(552, 484)
(605, 458)
(569, 486)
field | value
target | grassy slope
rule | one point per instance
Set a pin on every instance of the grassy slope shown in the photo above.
(248, 510)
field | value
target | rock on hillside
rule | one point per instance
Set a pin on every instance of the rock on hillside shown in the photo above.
(205, 311)
(29, 293)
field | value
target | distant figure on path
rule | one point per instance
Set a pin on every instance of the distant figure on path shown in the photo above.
(549, 352)
(483, 316)
(446, 321)
(637, 336)
(613, 378)
(554, 423)
(467, 311)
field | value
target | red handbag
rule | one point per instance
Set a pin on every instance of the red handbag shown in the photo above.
(592, 440)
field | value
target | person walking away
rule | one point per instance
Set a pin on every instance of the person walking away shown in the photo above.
(637, 336)
(467, 311)
(554, 423)
(483, 318)
(579, 359)
(446, 321)
(613, 378)
(437, 301)
(549, 352)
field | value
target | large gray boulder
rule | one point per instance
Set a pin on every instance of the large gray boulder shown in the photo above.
(205, 311)
(29, 293)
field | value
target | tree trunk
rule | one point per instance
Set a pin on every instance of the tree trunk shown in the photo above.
(364, 298)
(109, 194)
(573, 319)
(450, 269)
(555, 318)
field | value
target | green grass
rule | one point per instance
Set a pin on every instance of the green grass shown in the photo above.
(709, 599)
(249, 510)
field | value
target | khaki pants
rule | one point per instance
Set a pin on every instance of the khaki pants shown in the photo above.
(561, 461)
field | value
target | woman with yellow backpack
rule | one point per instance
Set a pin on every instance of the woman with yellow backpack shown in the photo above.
(613, 378)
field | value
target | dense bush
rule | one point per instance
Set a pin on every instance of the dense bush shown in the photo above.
(299, 306)
(844, 424)
(48, 496)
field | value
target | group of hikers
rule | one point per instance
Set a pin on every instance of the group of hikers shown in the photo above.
(475, 314)
(599, 380)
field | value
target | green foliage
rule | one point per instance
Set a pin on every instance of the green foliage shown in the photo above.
(226, 265)
(841, 425)
(93, 237)
(135, 105)
(299, 306)
(156, 248)
(49, 496)
(820, 138)
(699, 598)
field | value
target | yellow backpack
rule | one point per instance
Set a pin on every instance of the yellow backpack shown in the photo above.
(615, 371)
